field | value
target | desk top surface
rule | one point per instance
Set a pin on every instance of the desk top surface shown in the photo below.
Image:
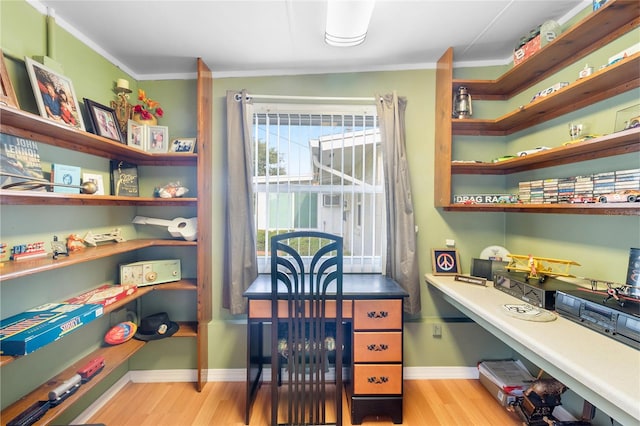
(354, 286)
(598, 368)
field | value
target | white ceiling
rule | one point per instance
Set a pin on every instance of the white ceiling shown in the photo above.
(160, 39)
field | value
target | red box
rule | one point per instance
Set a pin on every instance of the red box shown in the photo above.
(527, 50)
(104, 295)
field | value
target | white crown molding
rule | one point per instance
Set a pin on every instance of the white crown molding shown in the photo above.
(83, 38)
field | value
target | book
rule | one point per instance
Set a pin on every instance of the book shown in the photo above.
(124, 178)
(65, 175)
(20, 161)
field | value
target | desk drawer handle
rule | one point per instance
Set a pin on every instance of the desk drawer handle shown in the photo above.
(377, 348)
(374, 314)
(377, 381)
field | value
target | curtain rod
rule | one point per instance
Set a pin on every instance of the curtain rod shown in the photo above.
(305, 98)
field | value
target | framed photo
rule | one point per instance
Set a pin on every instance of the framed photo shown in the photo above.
(96, 179)
(103, 120)
(136, 135)
(7, 95)
(54, 94)
(445, 261)
(157, 139)
(183, 145)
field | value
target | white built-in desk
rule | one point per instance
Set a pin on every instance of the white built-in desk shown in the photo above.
(601, 370)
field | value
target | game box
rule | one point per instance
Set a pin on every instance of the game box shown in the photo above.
(30, 330)
(104, 295)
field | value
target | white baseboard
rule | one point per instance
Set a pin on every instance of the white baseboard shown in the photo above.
(240, 375)
(100, 402)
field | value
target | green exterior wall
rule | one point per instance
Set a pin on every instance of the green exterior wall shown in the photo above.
(600, 243)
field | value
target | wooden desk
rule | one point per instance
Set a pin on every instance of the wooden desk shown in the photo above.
(601, 370)
(373, 315)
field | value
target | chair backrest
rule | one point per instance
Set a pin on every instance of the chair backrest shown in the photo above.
(306, 279)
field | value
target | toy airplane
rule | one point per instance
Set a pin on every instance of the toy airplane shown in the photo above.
(539, 267)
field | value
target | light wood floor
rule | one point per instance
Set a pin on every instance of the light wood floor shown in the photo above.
(426, 402)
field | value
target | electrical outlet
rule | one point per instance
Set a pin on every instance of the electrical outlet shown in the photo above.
(437, 330)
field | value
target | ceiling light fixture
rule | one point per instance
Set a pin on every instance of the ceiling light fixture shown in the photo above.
(347, 22)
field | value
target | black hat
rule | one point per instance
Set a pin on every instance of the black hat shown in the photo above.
(156, 326)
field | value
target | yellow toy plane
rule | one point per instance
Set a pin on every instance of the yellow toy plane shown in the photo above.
(540, 267)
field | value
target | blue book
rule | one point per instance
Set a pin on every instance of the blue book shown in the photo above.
(65, 175)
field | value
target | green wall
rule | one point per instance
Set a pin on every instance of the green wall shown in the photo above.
(600, 243)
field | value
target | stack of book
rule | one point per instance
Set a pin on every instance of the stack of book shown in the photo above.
(524, 192)
(550, 194)
(583, 187)
(537, 191)
(566, 189)
(627, 179)
(603, 183)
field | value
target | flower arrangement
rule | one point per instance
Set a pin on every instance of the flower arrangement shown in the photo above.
(147, 107)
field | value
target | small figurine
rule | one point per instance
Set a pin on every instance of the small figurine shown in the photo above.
(58, 247)
(171, 190)
(75, 243)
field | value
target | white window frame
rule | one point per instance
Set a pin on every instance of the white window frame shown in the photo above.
(352, 196)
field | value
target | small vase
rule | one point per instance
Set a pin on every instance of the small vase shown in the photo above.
(153, 121)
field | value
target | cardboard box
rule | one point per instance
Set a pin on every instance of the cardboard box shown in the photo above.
(531, 47)
(28, 331)
(104, 295)
(505, 380)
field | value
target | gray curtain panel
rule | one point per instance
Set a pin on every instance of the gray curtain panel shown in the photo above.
(402, 257)
(240, 263)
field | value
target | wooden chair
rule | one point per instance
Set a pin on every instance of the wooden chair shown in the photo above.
(308, 282)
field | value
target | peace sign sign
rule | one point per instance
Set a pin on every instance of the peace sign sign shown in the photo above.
(445, 262)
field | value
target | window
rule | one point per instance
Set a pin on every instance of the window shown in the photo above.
(319, 167)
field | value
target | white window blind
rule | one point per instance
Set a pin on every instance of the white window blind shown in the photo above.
(319, 167)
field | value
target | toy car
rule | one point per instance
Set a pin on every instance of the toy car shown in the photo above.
(628, 196)
(503, 158)
(532, 151)
(582, 200)
(582, 139)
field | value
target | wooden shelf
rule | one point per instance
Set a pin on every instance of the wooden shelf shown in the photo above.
(114, 356)
(24, 124)
(597, 29)
(603, 84)
(187, 329)
(22, 197)
(619, 143)
(608, 209)
(16, 269)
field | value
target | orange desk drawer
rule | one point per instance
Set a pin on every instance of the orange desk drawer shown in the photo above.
(377, 314)
(377, 347)
(262, 309)
(377, 379)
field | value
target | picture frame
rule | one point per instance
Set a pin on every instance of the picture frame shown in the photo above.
(49, 89)
(157, 139)
(445, 261)
(136, 135)
(183, 145)
(7, 94)
(97, 180)
(103, 120)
